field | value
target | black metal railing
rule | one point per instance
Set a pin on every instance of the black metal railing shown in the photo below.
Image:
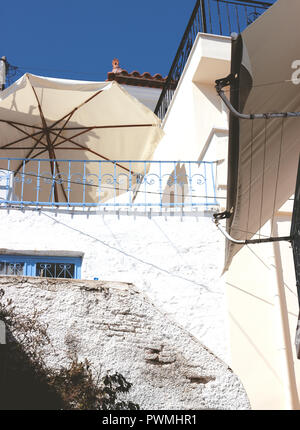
(221, 17)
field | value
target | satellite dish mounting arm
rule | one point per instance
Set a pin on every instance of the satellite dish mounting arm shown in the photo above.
(222, 83)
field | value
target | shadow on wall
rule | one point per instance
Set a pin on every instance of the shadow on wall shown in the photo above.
(177, 187)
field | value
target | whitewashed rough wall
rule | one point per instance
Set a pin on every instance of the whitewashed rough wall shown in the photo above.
(118, 329)
(177, 263)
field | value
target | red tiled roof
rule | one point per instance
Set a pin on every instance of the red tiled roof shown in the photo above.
(135, 78)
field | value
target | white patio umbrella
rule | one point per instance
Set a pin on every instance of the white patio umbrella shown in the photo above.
(54, 119)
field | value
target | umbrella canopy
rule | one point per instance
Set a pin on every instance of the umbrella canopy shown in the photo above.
(263, 153)
(54, 119)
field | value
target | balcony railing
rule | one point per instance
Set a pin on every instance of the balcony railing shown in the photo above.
(221, 17)
(119, 183)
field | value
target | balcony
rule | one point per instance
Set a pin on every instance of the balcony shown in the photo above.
(94, 184)
(220, 17)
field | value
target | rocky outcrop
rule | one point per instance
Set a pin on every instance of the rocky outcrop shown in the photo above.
(119, 329)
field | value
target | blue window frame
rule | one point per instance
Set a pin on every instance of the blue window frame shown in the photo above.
(41, 266)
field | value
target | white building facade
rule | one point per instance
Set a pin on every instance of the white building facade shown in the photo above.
(165, 243)
(172, 252)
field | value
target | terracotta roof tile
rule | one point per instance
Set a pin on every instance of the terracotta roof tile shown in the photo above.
(135, 78)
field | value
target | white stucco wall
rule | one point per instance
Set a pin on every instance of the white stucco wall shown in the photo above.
(196, 109)
(177, 263)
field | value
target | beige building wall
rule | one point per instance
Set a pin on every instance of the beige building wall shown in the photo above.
(196, 124)
(196, 112)
(263, 314)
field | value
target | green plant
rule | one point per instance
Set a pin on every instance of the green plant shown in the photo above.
(26, 382)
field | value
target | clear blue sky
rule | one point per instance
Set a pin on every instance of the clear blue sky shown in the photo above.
(78, 39)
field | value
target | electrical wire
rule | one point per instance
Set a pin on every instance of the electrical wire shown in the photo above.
(267, 84)
(25, 68)
(263, 178)
(268, 267)
(126, 253)
(277, 174)
(250, 176)
(60, 181)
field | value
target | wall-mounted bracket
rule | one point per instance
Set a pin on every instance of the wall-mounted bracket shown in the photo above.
(250, 241)
(221, 83)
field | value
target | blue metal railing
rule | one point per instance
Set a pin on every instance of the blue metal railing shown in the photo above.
(118, 183)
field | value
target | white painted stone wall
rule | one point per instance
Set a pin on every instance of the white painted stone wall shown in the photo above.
(177, 263)
(118, 329)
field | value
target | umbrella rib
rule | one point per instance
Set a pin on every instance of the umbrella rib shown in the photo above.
(75, 109)
(29, 153)
(27, 161)
(106, 126)
(68, 139)
(20, 123)
(29, 135)
(20, 140)
(69, 149)
(63, 127)
(90, 150)
(24, 148)
(70, 114)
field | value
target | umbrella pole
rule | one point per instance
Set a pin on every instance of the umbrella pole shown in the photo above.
(49, 143)
(61, 184)
(52, 173)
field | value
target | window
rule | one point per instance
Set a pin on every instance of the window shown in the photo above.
(41, 266)
(11, 268)
(55, 270)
